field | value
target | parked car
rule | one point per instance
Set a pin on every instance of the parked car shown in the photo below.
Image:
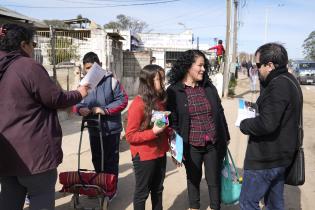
(304, 71)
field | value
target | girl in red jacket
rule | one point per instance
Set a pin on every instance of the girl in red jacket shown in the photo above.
(148, 143)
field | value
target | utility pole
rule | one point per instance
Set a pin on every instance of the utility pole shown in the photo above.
(235, 28)
(266, 24)
(227, 50)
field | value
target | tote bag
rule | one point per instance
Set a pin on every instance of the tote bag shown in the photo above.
(230, 181)
(295, 174)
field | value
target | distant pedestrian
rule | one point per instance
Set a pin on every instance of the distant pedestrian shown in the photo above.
(30, 134)
(273, 133)
(253, 77)
(148, 143)
(249, 65)
(244, 67)
(237, 68)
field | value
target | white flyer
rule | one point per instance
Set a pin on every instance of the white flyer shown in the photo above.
(94, 76)
(246, 109)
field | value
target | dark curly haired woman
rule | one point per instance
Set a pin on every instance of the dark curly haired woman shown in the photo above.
(197, 115)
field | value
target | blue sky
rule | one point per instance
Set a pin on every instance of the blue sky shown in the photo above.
(289, 21)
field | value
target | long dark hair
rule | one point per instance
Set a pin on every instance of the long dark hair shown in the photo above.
(147, 91)
(184, 63)
(12, 35)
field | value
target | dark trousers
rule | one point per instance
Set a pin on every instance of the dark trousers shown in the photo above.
(267, 184)
(39, 187)
(195, 157)
(111, 153)
(149, 176)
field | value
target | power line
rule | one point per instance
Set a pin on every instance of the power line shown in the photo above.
(98, 6)
(187, 14)
(101, 2)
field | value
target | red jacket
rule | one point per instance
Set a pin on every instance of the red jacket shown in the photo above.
(220, 49)
(145, 143)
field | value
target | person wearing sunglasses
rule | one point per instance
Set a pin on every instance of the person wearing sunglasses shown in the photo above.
(273, 132)
(30, 133)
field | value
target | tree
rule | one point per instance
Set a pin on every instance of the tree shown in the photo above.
(309, 46)
(124, 22)
(65, 50)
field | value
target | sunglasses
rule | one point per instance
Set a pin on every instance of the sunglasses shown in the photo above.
(259, 65)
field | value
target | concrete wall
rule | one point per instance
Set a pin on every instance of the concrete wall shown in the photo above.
(127, 36)
(133, 63)
(160, 57)
(109, 51)
(96, 44)
(117, 64)
(160, 43)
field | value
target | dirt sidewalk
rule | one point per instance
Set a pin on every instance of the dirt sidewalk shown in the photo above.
(175, 192)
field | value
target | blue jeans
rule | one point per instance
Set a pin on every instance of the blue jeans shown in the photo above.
(267, 184)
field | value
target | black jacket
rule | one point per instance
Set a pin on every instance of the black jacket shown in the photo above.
(273, 134)
(180, 121)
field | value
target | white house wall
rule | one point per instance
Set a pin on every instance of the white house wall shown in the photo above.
(98, 44)
(127, 36)
(160, 58)
(166, 41)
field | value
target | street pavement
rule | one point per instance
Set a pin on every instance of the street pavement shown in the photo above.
(175, 191)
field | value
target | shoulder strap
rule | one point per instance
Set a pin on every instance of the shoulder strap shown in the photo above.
(114, 83)
(301, 110)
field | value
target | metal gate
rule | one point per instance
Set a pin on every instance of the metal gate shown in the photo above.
(55, 47)
(59, 51)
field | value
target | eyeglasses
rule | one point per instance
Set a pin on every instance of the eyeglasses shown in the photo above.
(33, 44)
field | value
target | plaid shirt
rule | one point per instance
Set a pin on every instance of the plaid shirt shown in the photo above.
(202, 127)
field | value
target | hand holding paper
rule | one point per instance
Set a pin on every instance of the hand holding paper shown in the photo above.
(94, 76)
(83, 89)
(246, 109)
